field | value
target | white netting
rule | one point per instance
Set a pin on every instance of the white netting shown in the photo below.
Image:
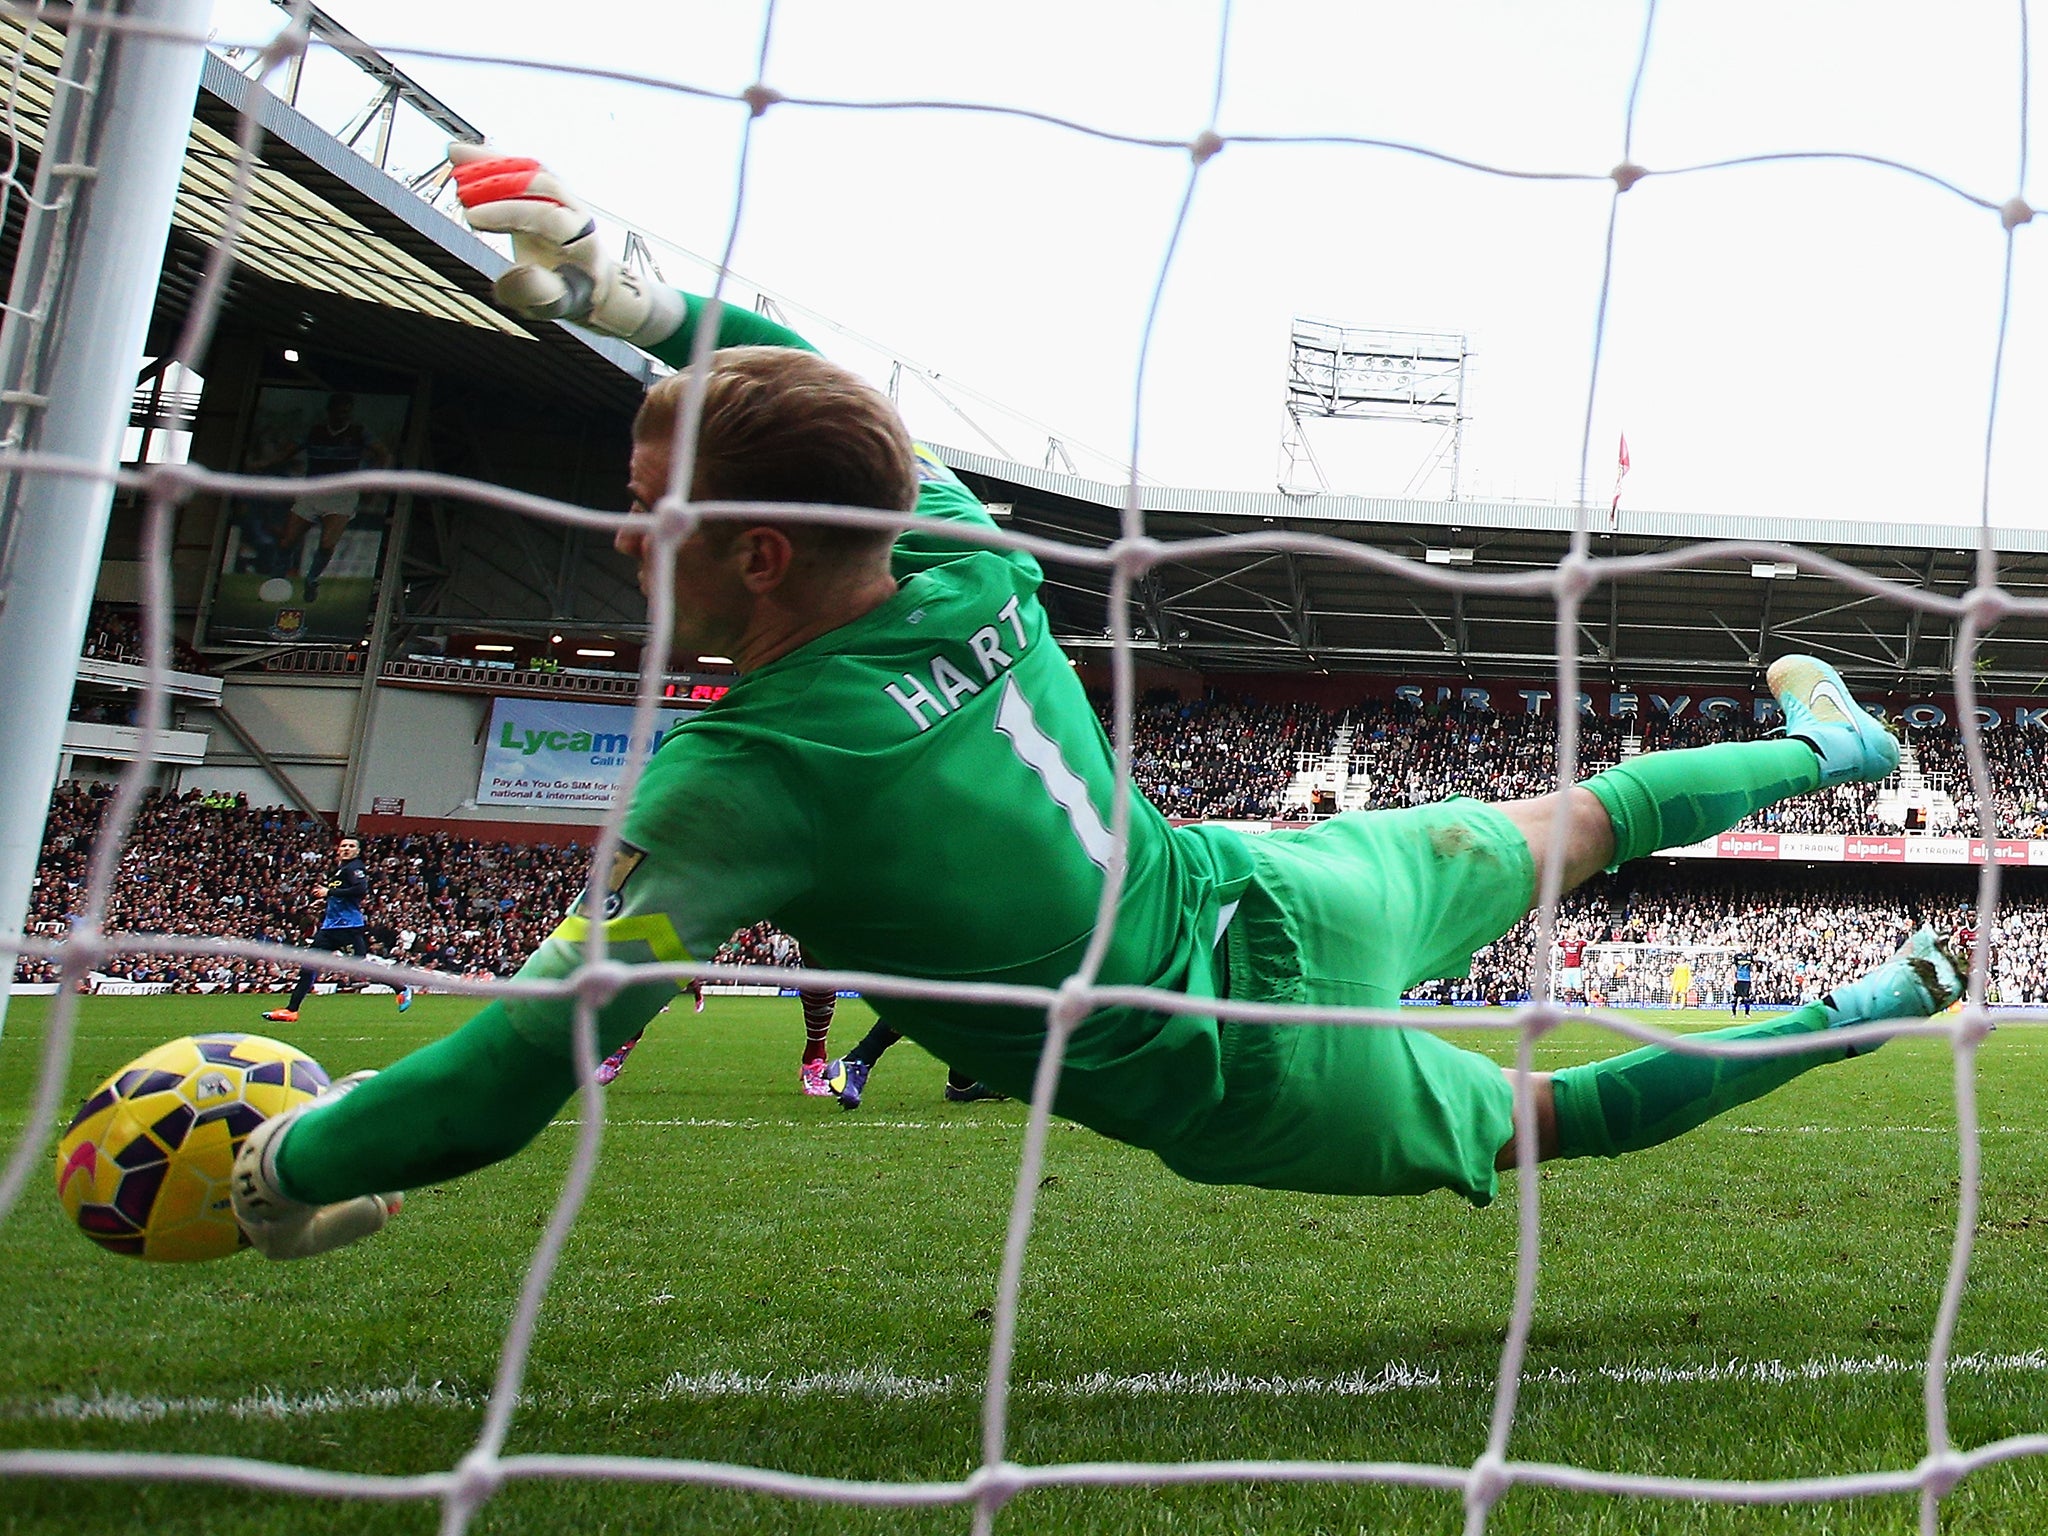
(462, 1489)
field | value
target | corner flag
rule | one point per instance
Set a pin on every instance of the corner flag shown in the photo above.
(1620, 472)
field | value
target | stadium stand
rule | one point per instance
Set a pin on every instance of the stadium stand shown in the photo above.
(1217, 757)
(1241, 757)
(213, 864)
(1822, 926)
(197, 866)
(218, 866)
(114, 633)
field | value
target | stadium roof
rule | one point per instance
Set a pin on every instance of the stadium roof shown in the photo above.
(1722, 622)
(344, 256)
(335, 252)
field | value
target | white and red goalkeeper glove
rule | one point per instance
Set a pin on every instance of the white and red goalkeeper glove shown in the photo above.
(279, 1227)
(561, 270)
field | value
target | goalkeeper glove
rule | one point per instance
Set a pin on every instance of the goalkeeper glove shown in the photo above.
(279, 1227)
(560, 270)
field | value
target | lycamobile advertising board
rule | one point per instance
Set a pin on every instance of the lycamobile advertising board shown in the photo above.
(555, 752)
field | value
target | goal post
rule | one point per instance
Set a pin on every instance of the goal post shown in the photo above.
(84, 284)
(1648, 975)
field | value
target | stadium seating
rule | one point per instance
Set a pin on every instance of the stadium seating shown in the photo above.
(1222, 757)
(115, 634)
(196, 865)
(193, 867)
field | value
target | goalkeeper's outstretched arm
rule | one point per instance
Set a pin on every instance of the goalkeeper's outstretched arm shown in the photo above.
(471, 1099)
(677, 886)
(561, 270)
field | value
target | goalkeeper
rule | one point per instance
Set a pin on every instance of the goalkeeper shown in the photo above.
(909, 778)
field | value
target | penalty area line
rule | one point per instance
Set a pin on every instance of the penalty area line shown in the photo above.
(878, 1384)
(967, 1123)
(850, 1123)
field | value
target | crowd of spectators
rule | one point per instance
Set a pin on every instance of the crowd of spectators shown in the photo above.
(1402, 754)
(214, 866)
(115, 634)
(1218, 758)
(2018, 765)
(762, 944)
(211, 866)
(1805, 929)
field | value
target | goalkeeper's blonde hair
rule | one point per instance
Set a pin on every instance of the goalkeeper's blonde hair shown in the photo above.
(782, 424)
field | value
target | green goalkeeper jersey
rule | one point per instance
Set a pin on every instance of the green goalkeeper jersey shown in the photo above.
(927, 792)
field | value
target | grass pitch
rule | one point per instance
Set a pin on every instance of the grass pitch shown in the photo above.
(765, 1279)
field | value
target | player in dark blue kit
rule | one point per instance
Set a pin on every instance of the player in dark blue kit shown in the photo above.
(341, 928)
(1745, 975)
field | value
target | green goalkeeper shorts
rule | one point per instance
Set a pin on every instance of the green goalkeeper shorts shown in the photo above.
(1355, 911)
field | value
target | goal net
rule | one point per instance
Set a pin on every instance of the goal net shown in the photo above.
(1648, 975)
(94, 171)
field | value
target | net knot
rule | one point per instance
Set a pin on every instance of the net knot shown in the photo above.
(1488, 1480)
(674, 519)
(287, 45)
(1626, 175)
(2014, 212)
(759, 98)
(1971, 1025)
(167, 482)
(1207, 146)
(994, 1485)
(1138, 553)
(1940, 1472)
(1987, 604)
(87, 941)
(1069, 1005)
(1575, 577)
(476, 1479)
(598, 982)
(1541, 1018)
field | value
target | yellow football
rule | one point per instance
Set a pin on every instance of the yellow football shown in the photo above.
(143, 1168)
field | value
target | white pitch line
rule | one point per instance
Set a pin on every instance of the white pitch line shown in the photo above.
(264, 1403)
(878, 1384)
(1875, 1130)
(707, 1124)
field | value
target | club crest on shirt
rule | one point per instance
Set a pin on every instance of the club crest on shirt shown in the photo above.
(931, 468)
(624, 862)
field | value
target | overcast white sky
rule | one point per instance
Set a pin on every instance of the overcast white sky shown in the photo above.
(1799, 339)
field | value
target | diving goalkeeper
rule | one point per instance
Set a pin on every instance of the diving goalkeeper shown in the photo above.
(909, 778)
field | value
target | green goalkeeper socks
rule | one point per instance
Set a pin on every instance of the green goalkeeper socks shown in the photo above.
(1670, 799)
(1627, 1103)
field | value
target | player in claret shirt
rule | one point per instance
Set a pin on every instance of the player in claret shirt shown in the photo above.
(1571, 954)
(909, 779)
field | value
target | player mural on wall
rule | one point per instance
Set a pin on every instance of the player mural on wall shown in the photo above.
(302, 566)
(336, 444)
(909, 778)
